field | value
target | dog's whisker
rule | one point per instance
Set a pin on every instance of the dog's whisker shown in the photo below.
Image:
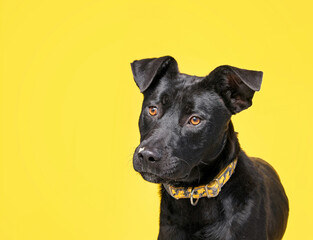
(204, 163)
(185, 162)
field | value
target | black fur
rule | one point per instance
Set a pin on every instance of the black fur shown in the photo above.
(252, 204)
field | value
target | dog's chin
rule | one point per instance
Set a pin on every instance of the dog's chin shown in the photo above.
(157, 179)
(152, 178)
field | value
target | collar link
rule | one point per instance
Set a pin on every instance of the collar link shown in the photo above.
(210, 190)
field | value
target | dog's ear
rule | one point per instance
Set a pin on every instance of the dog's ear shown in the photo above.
(236, 86)
(147, 70)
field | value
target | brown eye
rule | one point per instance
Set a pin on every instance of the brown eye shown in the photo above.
(195, 120)
(153, 111)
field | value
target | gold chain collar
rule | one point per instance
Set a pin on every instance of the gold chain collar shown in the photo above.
(212, 189)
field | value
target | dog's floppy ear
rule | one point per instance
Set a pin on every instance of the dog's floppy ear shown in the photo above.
(147, 70)
(236, 86)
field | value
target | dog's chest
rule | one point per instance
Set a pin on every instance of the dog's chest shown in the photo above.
(180, 218)
(182, 213)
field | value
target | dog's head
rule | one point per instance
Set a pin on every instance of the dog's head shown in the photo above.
(184, 119)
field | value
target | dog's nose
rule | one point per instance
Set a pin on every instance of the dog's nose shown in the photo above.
(149, 154)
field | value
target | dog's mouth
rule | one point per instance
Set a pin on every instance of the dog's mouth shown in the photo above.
(155, 172)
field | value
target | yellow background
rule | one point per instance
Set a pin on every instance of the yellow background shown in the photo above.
(69, 106)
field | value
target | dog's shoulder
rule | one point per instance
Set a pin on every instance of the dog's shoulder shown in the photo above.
(265, 169)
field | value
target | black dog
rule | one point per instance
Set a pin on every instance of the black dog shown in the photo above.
(210, 188)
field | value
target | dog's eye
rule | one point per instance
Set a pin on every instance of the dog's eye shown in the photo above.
(153, 111)
(194, 120)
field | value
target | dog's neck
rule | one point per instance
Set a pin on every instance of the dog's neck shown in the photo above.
(229, 152)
